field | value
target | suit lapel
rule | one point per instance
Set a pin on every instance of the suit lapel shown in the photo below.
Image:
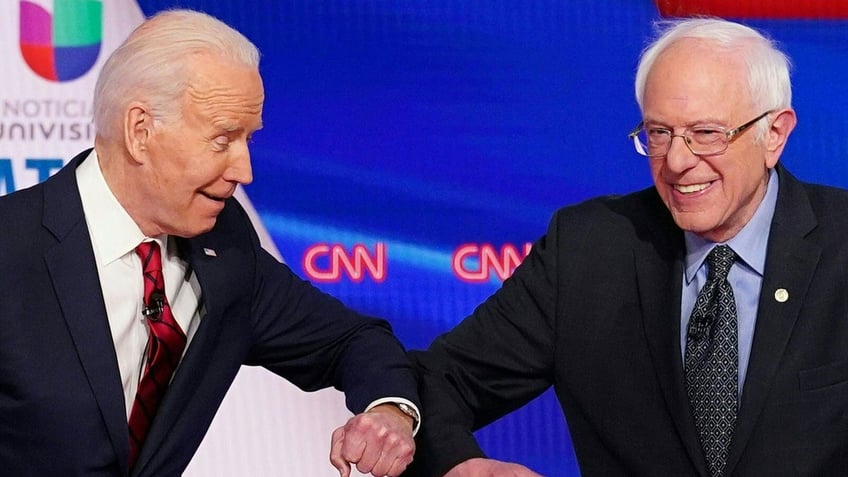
(790, 263)
(660, 278)
(75, 280)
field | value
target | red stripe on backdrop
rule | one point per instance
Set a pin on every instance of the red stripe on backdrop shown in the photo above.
(808, 9)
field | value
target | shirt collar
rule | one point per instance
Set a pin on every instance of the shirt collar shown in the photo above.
(749, 244)
(113, 232)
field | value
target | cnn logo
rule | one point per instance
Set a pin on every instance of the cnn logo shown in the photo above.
(477, 263)
(330, 263)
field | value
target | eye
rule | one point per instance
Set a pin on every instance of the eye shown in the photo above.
(707, 135)
(221, 142)
(657, 135)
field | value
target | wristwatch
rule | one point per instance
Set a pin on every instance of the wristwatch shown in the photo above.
(409, 411)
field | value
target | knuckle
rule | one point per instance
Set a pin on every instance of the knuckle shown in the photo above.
(408, 449)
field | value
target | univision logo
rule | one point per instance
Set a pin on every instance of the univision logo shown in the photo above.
(65, 45)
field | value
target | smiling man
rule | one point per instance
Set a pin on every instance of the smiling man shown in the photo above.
(697, 327)
(133, 285)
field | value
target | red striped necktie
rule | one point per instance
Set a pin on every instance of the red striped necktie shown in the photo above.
(165, 345)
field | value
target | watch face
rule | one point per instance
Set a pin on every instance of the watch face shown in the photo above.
(408, 410)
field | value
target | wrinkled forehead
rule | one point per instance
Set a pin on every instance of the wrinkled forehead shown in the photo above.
(697, 76)
(220, 86)
(690, 59)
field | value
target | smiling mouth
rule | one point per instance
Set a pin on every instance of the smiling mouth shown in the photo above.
(692, 188)
(215, 198)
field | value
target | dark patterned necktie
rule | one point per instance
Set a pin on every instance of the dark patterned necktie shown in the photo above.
(712, 360)
(165, 345)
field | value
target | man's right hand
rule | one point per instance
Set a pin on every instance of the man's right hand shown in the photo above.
(479, 467)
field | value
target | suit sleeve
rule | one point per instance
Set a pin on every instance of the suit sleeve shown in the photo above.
(493, 362)
(315, 341)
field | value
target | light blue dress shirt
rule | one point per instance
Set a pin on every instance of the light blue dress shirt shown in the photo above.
(746, 275)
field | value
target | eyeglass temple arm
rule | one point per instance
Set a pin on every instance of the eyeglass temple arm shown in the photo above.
(636, 130)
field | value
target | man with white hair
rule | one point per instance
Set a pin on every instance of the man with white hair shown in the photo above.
(697, 327)
(134, 285)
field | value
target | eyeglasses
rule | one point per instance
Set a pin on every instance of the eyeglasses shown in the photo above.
(701, 140)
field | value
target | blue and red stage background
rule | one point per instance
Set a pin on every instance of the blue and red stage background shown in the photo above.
(413, 149)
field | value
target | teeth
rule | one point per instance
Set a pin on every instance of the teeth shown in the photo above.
(688, 189)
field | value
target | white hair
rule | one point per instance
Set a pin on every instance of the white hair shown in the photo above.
(768, 67)
(150, 65)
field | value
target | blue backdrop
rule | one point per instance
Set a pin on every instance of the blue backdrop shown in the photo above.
(426, 125)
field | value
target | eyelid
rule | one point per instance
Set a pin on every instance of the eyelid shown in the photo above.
(707, 128)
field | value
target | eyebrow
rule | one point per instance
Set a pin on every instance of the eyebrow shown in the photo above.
(229, 127)
(710, 122)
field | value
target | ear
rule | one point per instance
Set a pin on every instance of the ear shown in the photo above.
(781, 126)
(138, 130)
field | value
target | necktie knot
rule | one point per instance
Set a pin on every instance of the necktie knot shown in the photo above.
(719, 261)
(154, 282)
(150, 255)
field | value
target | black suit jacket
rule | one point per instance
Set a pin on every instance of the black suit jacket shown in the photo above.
(62, 408)
(594, 311)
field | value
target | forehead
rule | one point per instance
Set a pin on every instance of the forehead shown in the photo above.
(223, 88)
(696, 79)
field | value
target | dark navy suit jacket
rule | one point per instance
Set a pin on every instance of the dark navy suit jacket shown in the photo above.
(62, 408)
(594, 311)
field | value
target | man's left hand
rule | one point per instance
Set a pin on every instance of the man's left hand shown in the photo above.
(378, 441)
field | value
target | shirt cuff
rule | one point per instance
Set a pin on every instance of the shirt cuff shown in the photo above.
(397, 400)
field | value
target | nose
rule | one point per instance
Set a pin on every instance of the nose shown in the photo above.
(679, 157)
(240, 170)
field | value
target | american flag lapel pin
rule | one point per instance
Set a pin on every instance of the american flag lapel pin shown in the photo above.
(209, 252)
